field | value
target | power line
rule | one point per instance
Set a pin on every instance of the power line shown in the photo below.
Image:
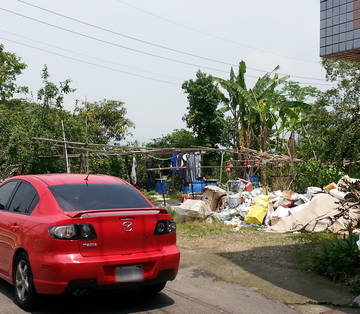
(111, 43)
(89, 63)
(209, 34)
(125, 35)
(154, 44)
(95, 58)
(120, 46)
(84, 55)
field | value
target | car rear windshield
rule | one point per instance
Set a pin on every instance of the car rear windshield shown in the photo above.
(77, 197)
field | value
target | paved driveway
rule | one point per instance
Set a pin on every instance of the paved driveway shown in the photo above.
(192, 292)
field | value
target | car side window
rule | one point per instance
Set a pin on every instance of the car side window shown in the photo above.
(6, 191)
(24, 200)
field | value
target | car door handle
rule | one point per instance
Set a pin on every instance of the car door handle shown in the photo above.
(14, 228)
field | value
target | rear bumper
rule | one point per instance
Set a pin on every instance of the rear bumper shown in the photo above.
(55, 274)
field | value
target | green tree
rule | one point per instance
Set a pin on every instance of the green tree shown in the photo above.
(10, 67)
(179, 138)
(50, 94)
(333, 124)
(106, 120)
(203, 116)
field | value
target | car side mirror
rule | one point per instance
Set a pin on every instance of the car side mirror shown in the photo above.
(2, 207)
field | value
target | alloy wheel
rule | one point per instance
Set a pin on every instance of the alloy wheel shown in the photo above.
(22, 282)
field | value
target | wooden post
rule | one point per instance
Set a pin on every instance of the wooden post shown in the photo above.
(65, 149)
(221, 166)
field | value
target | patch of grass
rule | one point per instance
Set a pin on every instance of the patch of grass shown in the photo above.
(197, 229)
(314, 238)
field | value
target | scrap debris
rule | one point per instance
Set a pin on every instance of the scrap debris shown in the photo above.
(335, 207)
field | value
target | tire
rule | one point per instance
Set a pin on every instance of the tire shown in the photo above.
(153, 289)
(24, 290)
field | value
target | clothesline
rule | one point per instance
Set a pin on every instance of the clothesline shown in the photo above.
(193, 167)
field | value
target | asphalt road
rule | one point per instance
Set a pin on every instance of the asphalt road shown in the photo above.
(192, 292)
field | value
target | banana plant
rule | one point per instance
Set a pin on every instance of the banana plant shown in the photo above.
(261, 112)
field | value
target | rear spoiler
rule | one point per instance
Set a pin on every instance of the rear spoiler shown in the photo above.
(115, 212)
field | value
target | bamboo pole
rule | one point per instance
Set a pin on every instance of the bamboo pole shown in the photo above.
(65, 148)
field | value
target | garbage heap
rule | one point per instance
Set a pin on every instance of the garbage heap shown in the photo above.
(335, 207)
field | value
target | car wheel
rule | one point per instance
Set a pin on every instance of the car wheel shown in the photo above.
(25, 294)
(153, 289)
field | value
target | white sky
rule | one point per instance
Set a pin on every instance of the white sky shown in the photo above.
(285, 28)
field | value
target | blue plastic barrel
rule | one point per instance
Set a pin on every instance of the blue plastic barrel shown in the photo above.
(197, 186)
(161, 187)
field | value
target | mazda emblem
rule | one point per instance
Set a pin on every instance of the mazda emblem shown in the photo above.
(127, 226)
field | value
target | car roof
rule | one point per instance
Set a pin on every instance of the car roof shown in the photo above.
(71, 178)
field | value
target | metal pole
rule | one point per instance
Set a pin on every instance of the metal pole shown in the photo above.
(65, 148)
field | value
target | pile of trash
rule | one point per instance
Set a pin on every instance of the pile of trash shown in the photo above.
(335, 207)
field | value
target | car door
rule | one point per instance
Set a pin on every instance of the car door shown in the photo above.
(6, 193)
(20, 207)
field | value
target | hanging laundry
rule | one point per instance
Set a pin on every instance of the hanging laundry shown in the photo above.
(150, 180)
(133, 171)
(174, 163)
(197, 165)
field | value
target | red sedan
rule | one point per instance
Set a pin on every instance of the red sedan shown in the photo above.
(76, 233)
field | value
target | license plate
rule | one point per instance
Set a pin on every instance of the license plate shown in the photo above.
(129, 273)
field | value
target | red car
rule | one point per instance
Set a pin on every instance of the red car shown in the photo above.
(76, 233)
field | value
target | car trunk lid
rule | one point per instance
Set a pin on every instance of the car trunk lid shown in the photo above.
(120, 232)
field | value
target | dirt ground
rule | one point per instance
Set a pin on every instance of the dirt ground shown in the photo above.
(267, 263)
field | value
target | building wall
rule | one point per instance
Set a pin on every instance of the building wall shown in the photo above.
(340, 29)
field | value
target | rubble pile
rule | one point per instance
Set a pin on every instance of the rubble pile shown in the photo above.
(335, 207)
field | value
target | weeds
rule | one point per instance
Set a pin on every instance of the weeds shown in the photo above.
(331, 256)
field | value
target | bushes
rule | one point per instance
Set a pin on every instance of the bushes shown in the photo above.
(312, 173)
(337, 259)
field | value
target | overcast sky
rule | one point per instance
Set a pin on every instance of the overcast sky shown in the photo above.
(263, 33)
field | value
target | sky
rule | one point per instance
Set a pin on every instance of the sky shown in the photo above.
(262, 33)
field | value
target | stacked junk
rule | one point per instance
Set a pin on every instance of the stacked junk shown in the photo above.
(335, 207)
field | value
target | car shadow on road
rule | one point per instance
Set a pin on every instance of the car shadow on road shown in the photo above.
(274, 267)
(122, 301)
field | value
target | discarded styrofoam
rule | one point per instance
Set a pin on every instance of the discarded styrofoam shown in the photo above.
(280, 212)
(338, 194)
(311, 191)
(192, 209)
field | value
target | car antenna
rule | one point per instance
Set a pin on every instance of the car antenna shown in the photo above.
(87, 179)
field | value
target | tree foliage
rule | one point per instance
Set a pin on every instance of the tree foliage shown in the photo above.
(259, 114)
(203, 116)
(50, 94)
(10, 68)
(20, 120)
(333, 124)
(178, 138)
(106, 120)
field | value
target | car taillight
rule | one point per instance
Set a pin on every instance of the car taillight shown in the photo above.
(73, 232)
(165, 226)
